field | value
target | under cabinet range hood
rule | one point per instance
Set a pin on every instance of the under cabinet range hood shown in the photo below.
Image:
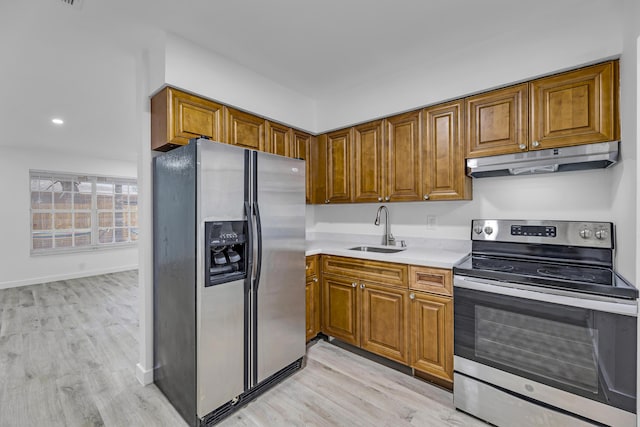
(579, 157)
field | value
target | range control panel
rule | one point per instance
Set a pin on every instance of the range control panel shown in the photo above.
(533, 230)
(567, 233)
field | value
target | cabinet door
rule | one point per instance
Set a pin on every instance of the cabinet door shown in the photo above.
(312, 307)
(432, 334)
(444, 176)
(245, 130)
(497, 122)
(278, 139)
(338, 174)
(577, 107)
(385, 321)
(300, 149)
(367, 157)
(177, 116)
(403, 157)
(340, 309)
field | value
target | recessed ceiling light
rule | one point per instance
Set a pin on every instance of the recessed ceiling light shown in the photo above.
(57, 121)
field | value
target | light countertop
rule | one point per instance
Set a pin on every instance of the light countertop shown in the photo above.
(440, 253)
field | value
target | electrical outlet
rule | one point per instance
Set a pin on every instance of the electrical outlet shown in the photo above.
(432, 222)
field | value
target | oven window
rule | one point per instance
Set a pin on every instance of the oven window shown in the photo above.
(559, 351)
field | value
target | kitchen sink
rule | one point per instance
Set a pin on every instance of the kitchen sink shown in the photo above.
(377, 249)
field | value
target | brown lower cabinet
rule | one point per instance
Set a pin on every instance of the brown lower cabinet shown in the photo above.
(387, 318)
(367, 315)
(312, 307)
(312, 300)
(370, 314)
(432, 334)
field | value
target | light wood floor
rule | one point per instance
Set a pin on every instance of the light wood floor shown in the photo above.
(68, 351)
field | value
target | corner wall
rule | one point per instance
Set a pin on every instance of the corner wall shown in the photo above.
(18, 266)
(625, 186)
(195, 69)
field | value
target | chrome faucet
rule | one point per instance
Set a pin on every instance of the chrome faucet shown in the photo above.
(387, 238)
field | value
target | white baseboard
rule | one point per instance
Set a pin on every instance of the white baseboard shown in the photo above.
(144, 376)
(67, 276)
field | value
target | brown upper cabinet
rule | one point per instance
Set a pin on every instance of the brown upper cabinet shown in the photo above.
(497, 121)
(443, 175)
(301, 144)
(388, 164)
(403, 157)
(278, 139)
(336, 146)
(399, 158)
(244, 129)
(368, 162)
(177, 116)
(577, 107)
(571, 108)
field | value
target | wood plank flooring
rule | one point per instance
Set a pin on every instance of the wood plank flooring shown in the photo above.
(68, 351)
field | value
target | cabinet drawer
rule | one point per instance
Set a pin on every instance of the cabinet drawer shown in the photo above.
(434, 280)
(381, 272)
(311, 268)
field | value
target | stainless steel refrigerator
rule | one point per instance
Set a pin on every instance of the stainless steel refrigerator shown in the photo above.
(229, 303)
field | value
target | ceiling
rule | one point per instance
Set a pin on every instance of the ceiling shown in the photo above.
(80, 63)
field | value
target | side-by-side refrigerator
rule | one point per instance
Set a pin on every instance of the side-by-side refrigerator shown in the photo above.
(229, 298)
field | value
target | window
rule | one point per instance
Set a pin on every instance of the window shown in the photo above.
(74, 212)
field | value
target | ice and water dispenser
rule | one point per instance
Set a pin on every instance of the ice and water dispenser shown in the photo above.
(226, 251)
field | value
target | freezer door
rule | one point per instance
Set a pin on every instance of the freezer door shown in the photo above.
(280, 289)
(221, 180)
(220, 346)
(220, 309)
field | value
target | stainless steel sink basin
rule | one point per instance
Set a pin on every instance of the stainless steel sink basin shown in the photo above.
(376, 249)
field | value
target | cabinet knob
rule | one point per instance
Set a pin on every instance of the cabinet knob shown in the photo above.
(535, 143)
(306, 267)
(379, 199)
(523, 147)
(354, 284)
(362, 286)
(426, 197)
(386, 199)
(315, 279)
(412, 296)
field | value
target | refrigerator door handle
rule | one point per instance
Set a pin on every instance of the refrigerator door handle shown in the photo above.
(250, 249)
(248, 341)
(256, 213)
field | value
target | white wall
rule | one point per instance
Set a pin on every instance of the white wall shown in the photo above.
(18, 266)
(205, 73)
(581, 195)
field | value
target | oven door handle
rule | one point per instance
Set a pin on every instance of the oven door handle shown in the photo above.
(589, 302)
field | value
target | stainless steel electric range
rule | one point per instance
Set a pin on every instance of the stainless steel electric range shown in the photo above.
(544, 329)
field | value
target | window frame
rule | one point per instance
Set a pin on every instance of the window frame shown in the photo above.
(94, 211)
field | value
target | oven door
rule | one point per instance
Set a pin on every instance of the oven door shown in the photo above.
(585, 347)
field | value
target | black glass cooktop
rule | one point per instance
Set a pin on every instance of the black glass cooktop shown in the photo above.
(577, 278)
